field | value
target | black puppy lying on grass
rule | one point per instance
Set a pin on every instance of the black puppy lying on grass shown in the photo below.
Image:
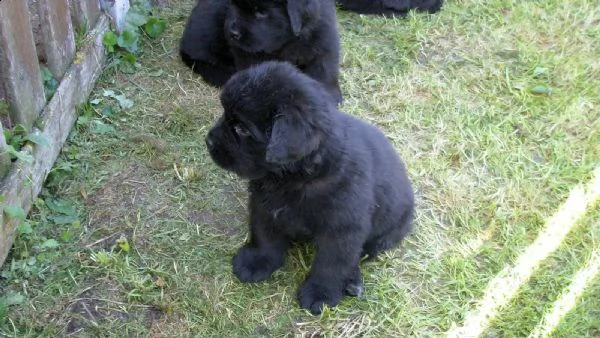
(390, 7)
(223, 36)
(316, 175)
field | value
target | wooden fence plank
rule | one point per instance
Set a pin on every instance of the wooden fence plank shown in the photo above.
(4, 112)
(2, 92)
(58, 36)
(84, 13)
(25, 180)
(34, 17)
(117, 10)
(20, 72)
(5, 161)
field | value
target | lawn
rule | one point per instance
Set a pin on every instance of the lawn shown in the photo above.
(494, 106)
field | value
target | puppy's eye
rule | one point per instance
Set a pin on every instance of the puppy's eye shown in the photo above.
(241, 130)
(261, 14)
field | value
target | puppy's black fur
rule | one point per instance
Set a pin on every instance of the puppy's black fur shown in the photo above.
(316, 175)
(203, 47)
(390, 7)
(223, 36)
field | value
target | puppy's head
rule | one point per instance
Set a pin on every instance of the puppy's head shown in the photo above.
(274, 119)
(265, 26)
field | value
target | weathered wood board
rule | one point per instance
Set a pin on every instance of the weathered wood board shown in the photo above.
(58, 36)
(84, 13)
(19, 68)
(25, 180)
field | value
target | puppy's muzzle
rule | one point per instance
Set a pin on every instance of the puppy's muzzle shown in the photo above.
(234, 31)
(210, 143)
(235, 35)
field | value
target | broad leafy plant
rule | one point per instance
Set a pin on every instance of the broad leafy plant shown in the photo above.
(139, 21)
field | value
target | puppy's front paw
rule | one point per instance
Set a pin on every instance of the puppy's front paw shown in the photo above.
(354, 288)
(313, 296)
(353, 284)
(250, 265)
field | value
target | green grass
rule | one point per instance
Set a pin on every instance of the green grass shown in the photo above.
(584, 319)
(536, 298)
(150, 223)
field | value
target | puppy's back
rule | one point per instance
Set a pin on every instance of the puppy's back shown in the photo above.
(383, 154)
(392, 190)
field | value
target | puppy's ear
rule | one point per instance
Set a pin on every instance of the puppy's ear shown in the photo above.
(300, 12)
(292, 138)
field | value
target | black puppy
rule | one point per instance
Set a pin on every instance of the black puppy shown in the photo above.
(223, 36)
(316, 175)
(203, 46)
(390, 7)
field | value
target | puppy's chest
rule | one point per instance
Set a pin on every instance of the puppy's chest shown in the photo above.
(296, 216)
(296, 56)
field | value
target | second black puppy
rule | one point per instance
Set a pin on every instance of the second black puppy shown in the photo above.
(390, 7)
(316, 175)
(222, 36)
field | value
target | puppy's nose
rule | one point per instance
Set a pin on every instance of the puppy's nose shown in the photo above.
(209, 143)
(234, 33)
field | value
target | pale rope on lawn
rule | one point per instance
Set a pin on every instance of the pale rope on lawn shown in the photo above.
(569, 298)
(504, 286)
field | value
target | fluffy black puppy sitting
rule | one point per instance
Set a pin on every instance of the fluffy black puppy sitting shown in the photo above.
(390, 7)
(316, 174)
(222, 36)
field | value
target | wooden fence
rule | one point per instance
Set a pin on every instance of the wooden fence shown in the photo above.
(36, 34)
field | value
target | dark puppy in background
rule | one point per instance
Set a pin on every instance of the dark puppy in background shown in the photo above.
(203, 47)
(223, 36)
(390, 7)
(315, 174)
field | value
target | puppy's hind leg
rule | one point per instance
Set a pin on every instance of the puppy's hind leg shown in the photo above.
(203, 46)
(214, 74)
(390, 238)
